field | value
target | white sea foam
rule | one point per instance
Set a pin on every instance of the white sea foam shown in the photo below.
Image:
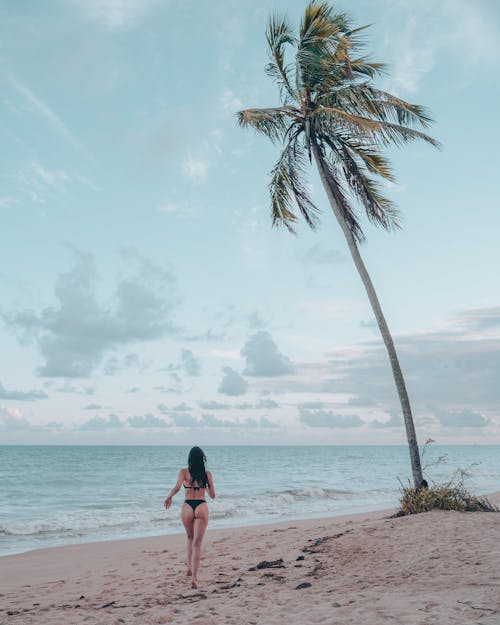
(58, 495)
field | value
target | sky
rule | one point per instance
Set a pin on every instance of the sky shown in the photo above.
(146, 299)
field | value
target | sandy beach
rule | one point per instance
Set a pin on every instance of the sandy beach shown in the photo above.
(437, 567)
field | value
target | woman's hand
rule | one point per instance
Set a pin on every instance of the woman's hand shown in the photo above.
(168, 502)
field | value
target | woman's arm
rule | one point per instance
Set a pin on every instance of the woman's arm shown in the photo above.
(175, 489)
(211, 488)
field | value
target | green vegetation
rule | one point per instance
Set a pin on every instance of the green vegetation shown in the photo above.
(445, 497)
(452, 495)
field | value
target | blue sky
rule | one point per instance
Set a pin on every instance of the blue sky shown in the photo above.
(145, 296)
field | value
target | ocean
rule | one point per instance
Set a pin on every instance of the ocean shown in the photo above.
(57, 495)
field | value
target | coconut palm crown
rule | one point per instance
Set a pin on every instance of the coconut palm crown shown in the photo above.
(331, 110)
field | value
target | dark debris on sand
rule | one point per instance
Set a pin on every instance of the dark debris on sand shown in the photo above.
(269, 564)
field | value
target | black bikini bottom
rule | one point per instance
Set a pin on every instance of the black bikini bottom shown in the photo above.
(194, 503)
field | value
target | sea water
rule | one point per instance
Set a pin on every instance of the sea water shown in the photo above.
(56, 495)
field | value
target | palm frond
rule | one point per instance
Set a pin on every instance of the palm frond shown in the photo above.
(287, 186)
(334, 183)
(331, 106)
(364, 99)
(401, 111)
(318, 39)
(364, 68)
(375, 131)
(379, 209)
(281, 195)
(317, 24)
(297, 163)
(278, 35)
(271, 122)
(374, 162)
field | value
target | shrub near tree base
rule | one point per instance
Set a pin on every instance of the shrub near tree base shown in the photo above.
(415, 500)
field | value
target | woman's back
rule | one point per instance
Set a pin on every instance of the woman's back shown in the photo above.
(194, 489)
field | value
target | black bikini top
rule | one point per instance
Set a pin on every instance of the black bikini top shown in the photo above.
(194, 487)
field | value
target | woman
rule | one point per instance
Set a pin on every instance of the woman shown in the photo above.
(195, 479)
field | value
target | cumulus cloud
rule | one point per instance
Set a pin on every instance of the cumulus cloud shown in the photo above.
(214, 405)
(232, 383)
(477, 319)
(328, 419)
(74, 335)
(92, 407)
(100, 423)
(115, 364)
(188, 364)
(263, 357)
(146, 421)
(211, 421)
(21, 395)
(322, 255)
(394, 421)
(13, 420)
(462, 419)
(268, 404)
(311, 405)
(182, 407)
(458, 366)
(256, 321)
(183, 419)
(361, 400)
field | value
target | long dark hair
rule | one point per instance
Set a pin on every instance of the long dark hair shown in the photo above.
(196, 465)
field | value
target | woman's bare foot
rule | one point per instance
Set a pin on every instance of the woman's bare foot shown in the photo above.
(194, 583)
(189, 573)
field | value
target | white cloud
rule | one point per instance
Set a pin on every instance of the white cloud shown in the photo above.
(268, 404)
(183, 420)
(116, 14)
(211, 421)
(263, 357)
(328, 419)
(12, 420)
(462, 419)
(323, 255)
(470, 36)
(41, 184)
(232, 383)
(214, 405)
(188, 364)
(169, 207)
(74, 335)
(31, 395)
(195, 168)
(147, 421)
(230, 102)
(182, 407)
(100, 423)
(43, 109)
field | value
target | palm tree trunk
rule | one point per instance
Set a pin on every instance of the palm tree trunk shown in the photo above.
(382, 324)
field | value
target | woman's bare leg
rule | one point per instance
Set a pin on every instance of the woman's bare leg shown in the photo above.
(199, 529)
(188, 522)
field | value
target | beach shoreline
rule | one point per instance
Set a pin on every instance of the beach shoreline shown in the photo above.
(437, 567)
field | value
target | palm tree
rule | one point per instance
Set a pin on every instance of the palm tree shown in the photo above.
(332, 111)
